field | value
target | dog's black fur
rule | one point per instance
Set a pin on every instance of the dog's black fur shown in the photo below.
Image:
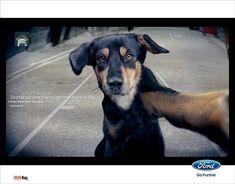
(129, 130)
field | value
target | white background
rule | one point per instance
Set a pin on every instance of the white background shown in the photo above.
(104, 9)
(119, 9)
(115, 175)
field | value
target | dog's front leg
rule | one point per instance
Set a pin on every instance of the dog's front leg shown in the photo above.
(100, 149)
(104, 149)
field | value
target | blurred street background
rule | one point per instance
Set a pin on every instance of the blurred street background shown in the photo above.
(52, 112)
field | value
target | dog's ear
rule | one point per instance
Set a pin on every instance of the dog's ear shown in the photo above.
(79, 58)
(150, 45)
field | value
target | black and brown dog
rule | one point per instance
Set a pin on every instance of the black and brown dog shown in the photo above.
(129, 129)
(130, 123)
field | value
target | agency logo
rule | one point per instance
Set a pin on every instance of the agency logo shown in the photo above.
(206, 165)
(20, 177)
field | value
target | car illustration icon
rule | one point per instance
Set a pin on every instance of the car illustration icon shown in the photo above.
(22, 42)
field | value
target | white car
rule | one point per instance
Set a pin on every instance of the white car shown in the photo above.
(22, 42)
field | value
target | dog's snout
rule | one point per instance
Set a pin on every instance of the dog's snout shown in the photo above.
(115, 82)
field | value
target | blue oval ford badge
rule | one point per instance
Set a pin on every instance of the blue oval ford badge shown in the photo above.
(206, 165)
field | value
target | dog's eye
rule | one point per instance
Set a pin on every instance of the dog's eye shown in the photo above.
(100, 60)
(128, 57)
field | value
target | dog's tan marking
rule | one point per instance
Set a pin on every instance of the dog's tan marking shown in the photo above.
(113, 130)
(105, 52)
(101, 75)
(132, 76)
(123, 51)
(138, 70)
(198, 110)
(221, 114)
(143, 43)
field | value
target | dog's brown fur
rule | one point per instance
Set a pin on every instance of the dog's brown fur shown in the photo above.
(197, 110)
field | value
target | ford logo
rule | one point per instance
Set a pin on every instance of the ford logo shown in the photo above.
(206, 165)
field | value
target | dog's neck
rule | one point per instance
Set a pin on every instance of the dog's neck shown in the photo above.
(121, 106)
(118, 119)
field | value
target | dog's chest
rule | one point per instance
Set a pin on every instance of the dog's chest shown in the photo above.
(118, 124)
(122, 128)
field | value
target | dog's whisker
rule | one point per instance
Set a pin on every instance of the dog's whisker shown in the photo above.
(96, 90)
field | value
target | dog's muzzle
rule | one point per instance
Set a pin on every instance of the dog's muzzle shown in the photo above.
(115, 85)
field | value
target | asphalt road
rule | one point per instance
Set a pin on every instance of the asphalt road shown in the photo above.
(52, 112)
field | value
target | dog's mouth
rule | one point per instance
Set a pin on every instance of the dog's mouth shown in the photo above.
(116, 91)
(120, 92)
(124, 100)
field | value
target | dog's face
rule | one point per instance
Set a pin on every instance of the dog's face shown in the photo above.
(117, 61)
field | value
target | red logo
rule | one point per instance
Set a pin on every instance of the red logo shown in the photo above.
(20, 177)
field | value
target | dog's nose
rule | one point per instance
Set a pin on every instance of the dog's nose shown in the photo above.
(115, 82)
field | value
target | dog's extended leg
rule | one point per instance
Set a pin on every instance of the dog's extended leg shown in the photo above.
(207, 113)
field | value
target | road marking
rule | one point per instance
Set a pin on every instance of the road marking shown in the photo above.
(39, 62)
(216, 148)
(38, 66)
(171, 36)
(163, 81)
(68, 107)
(27, 139)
